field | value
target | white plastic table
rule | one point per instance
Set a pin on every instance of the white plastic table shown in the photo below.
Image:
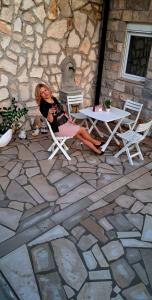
(115, 114)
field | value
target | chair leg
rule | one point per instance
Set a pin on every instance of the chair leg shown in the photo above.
(60, 146)
(51, 148)
(65, 147)
(129, 157)
(124, 149)
(86, 124)
(139, 152)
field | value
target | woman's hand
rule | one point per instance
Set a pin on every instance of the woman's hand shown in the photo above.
(50, 114)
(52, 110)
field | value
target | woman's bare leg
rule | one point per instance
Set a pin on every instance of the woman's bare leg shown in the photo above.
(85, 135)
(88, 143)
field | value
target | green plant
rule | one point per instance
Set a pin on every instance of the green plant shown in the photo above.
(10, 116)
(107, 103)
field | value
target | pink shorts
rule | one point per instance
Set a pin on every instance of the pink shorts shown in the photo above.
(68, 129)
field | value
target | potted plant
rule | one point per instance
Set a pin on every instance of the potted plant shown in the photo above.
(9, 117)
(107, 104)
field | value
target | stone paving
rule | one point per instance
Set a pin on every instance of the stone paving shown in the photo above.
(79, 229)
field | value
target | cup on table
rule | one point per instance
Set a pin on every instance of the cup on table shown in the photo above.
(100, 108)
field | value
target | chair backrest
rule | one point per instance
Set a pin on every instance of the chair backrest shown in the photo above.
(135, 106)
(132, 105)
(74, 100)
(144, 128)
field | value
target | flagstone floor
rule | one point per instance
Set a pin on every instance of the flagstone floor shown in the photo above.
(79, 229)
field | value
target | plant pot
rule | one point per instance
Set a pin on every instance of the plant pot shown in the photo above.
(108, 109)
(6, 138)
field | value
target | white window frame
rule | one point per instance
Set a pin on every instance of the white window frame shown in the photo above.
(133, 30)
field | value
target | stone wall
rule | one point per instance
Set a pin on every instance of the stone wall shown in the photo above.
(35, 37)
(122, 12)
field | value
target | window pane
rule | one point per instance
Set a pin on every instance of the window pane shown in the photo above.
(139, 51)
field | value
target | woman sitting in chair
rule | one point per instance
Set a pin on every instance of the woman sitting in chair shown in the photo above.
(52, 110)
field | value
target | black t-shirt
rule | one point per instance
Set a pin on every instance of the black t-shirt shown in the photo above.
(44, 109)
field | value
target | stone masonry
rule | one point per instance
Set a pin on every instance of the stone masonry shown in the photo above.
(121, 13)
(36, 36)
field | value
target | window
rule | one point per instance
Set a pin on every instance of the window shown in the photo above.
(137, 49)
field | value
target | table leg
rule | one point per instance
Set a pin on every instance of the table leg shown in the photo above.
(93, 126)
(111, 135)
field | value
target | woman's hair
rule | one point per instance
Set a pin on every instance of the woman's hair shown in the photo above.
(38, 96)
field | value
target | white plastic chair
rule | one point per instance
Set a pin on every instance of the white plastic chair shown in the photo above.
(77, 100)
(132, 138)
(58, 144)
(133, 106)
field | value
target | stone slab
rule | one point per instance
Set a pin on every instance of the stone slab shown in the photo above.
(34, 210)
(147, 229)
(34, 194)
(71, 210)
(137, 207)
(6, 291)
(67, 260)
(144, 196)
(94, 290)
(128, 234)
(56, 175)
(113, 250)
(90, 261)
(17, 193)
(125, 201)
(97, 205)
(115, 185)
(77, 232)
(32, 220)
(141, 273)
(25, 154)
(120, 222)
(47, 191)
(10, 217)
(19, 240)
(122, 272)
(5, 233)
(147, 258)
(99, 256)
(133, 243)
(97, 195)
(86, 241)
(68, 183)
(104, 211)
(19, 277)
(74, 220)
(42, 258)
(76, 194)
(95, 229)
(46, 165)
(99, 275)
(51, 287)
(2, 196)
(53, 234)
(137, 292)
(143, 182)
(137, 173)
(105, 224)
(133, 255)
(136, 220)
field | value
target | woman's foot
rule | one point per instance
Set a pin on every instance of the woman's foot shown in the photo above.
(101, 144)
(100, 152)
